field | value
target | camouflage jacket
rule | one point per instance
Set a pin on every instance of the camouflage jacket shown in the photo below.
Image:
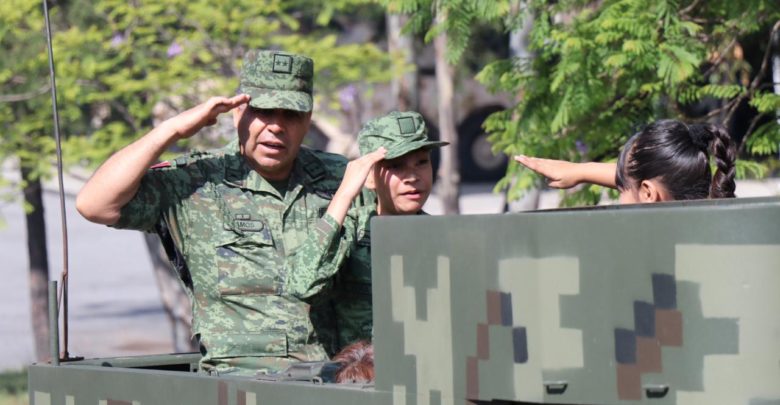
(243, 243)
(351, 297)
(352, 291)
(346, 316)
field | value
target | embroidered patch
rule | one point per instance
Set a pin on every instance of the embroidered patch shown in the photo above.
(244, 222)
(406, 125)
(282, 63)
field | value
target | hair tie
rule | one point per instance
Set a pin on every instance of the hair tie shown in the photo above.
(700, 136)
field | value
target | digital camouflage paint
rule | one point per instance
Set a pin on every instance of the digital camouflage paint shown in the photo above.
(666, 304)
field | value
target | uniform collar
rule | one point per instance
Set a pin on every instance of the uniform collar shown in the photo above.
(307, 170)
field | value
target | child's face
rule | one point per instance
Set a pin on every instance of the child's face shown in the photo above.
(403, 184)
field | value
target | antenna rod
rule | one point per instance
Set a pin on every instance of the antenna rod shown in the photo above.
(64, 291)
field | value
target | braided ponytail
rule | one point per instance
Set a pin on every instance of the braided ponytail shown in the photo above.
(724, 153)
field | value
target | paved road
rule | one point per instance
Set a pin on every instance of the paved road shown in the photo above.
(115, 308)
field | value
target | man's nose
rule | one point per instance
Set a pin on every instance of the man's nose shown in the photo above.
(275, 121)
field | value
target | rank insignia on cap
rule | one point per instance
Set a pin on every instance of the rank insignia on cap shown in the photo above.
(406, 125)
(282, 63)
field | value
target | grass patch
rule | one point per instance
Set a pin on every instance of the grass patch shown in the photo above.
(13, 387)
(18, 399)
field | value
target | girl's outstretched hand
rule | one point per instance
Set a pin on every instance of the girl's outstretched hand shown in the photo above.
(559, 173)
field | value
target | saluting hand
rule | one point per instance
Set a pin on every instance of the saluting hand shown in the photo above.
(357, 171)
(193, 120)
(354, 177)
(559, 173)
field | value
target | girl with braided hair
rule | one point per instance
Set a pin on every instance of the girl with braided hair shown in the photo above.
(667, 160)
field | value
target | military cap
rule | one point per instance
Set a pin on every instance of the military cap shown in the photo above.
(399, 132)
(277, 80)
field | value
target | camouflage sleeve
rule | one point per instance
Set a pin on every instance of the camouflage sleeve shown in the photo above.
(160, 191)
(311, 268)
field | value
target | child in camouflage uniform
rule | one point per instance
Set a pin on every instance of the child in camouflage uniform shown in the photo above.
(396, 167)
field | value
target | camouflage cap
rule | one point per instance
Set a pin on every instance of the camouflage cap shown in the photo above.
(399, 132)
(277, 80)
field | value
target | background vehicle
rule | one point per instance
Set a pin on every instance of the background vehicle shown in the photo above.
(472, 103)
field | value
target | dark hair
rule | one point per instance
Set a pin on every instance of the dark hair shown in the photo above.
(678, 155)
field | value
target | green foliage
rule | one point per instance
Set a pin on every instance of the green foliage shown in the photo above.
(603, 69)
(765, 140)
(458, 18)
(748, 169)
(766, 102)
(13, 383)
(25, 85)
(123, 65)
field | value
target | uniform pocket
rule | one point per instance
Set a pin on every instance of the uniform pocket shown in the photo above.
(247, 264)
(257, 344)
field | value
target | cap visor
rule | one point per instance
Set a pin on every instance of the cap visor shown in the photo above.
(284, 99)
(401, 150)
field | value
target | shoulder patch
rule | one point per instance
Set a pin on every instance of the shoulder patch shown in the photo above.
(318, 165)
(192, 157)
(314, 169)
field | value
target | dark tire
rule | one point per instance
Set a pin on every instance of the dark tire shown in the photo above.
(477, 161)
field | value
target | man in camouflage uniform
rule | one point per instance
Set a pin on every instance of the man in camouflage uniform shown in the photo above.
(244, 218)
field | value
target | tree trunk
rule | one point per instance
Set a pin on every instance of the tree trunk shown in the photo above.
(774, 42)
(175, 301)
(519, 41)
(39, 263)
(403, 87)
(449, 176)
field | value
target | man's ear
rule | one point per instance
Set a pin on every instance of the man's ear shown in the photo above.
(370, 182)
(650, 192)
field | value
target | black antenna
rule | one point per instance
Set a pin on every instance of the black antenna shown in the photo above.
(64, 281)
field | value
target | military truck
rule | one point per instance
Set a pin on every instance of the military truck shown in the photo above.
(670, 303)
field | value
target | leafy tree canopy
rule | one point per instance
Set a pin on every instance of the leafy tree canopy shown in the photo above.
(603, 69)
(121, 65)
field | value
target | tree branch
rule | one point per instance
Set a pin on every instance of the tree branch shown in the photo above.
(690, 8)
(750, 129)
(754, 84)
(15, 98)
(721, 57)
(126, 114)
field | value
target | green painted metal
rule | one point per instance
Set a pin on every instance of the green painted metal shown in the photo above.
(663, 304)
(54, 325)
